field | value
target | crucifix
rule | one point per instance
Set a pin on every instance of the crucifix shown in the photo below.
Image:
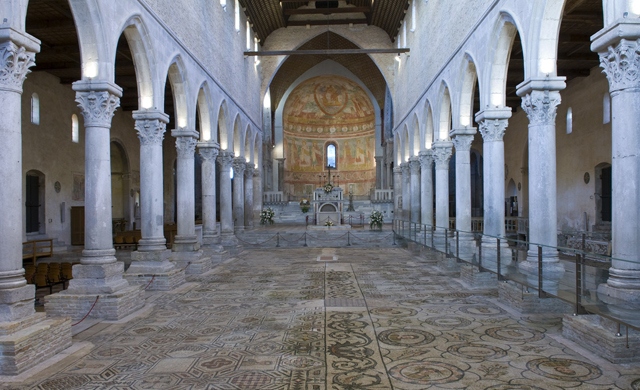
(329, 170)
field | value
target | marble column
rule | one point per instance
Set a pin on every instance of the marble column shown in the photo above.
(151, 259)
(187, 254)
(414, 168)
(379, 171)
(441, 154)
(27, 337)
(239, 166)
(208, 152)
(389, 176)
(426, 188)
(227, 238)
(406, 191)
(618, 47)
(280, 174)
(257, 194)
(248, 196)
(540, 98)
(397, 192)
(493, 124)
(99, 273)
(462, 141)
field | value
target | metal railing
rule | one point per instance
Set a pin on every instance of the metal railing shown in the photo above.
(571, 275)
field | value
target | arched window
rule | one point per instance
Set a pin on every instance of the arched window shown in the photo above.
(75, 132)
(236, 15)
(606, 108)
(223, 3)
(331, 153)
(413, 15)
(248, 35)
(569, 120)
(35, 109)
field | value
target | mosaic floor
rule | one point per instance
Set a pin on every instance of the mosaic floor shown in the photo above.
(297, 319)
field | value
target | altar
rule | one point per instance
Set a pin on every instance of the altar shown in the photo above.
(327, 205)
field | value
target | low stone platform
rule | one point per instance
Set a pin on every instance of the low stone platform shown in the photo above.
(517, 297)
(112, 307)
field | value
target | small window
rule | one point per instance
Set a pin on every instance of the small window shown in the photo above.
(606, 109)
(236, 14)
(75, 132)
(223, 3)
(331, 156)
(35, 109)
(413, 15)
(569, 120)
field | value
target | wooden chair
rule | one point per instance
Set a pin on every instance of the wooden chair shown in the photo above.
(29, 273)
(41, 278)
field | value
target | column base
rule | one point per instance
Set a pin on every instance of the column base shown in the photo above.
(515, 296)
(152, 244)
(96, 279)
(32, 340)
(627, 281)
(552, 272)
(489, 256)
(216, 253)
(154, 271)
(185, 244)
(111, 307)
(466, 247)
(475, 279)
(17, 303)
(228, 240)
(599, 335)
(192, 262)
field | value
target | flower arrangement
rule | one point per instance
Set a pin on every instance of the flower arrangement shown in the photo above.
(305, 205)
(266, 216)
(328, 187)
(328, 223)
(375, 220)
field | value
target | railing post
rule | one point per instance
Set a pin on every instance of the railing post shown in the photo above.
(446, 242)
(498, 259)
(480, 257)
(579, 263)
(305, 238)
(541, 293)
(432, 233)
(394, 236)
(457, 245)
(348, 239)
(277, 239)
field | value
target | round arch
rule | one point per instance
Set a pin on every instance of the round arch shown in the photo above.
(506, 31)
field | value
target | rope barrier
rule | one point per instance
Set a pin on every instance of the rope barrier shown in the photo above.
(151, 281)
(86, 315)
(256, 243)
(327, 239)
(301, 237)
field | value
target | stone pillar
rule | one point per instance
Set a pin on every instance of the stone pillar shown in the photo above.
(227, 237)
(462, 141)
(619, 46)
(414, 168)
(397, 192)
(379, 172)
(257, 194)
(406, 191)
(426, 188)
(151, 259)
(493, 124)
(441, 154)
(22, 330)
(540, 98)
(99, 274)
(208, 152)
(248, 196)
(239, 165)
(187, 254)
(280, 174)
(389, 175)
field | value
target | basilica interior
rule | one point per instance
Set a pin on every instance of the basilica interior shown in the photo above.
(351, 194)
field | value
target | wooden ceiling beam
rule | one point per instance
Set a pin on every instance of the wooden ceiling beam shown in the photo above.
(326, 11)
(325, 22)
(325, 52)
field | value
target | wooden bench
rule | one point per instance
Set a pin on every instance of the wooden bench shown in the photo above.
(37, 248)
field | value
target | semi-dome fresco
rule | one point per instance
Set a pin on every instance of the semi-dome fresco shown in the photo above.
(329, 110)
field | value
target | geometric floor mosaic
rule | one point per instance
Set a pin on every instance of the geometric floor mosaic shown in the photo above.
(371, 319)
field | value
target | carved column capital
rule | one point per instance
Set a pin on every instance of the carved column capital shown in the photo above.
(406, 170)
(493, 130)
(397, 170)
(426, 159)
(97, 107)
(208, 151)
(541, 106)
(249, 171)
(414, 165)
(15, 62)
(225, 159)
(441, 154)
(239, 165)
(621, 64)
(186, 147)
(462, 143)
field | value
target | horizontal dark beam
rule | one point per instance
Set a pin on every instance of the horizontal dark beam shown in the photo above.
(325, 11)
(325, 52)
(325, 22)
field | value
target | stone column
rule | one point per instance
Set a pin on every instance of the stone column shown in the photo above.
(99, 274)
(208, 152)
(426, 188)
(414, 168)
(493, 124)
(389, 175)
(227, 237)
(257, 194)
(406, 191)
(187, 254)
(379, 172)
(540, 98)
(280, 174)
(441, 154)
(248, 196)
(151, 259)
(239, 166)
(619, 47)
(462, 141)
(397, 192)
